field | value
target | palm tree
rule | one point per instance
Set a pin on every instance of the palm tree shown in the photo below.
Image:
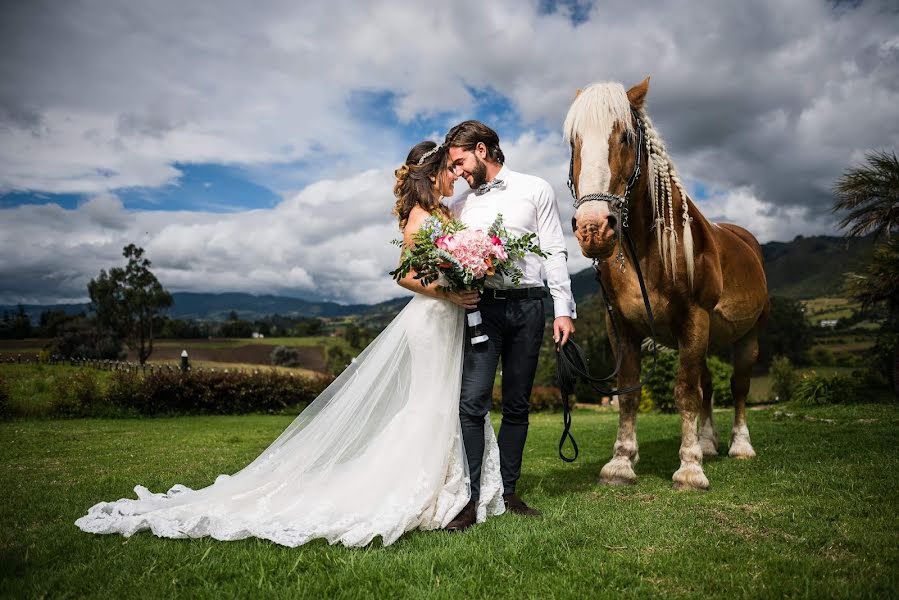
(871, 195)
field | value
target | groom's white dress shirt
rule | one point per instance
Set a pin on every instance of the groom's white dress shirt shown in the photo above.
(528, 205)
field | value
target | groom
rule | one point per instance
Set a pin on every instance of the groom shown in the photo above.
(513, 318)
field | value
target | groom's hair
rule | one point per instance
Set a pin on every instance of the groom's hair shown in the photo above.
(468, 134)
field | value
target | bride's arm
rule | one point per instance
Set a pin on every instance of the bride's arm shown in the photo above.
(463, 299)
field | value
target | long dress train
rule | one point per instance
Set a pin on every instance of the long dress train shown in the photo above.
(378, 453)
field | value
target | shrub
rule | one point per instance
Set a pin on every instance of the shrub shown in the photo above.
(658, 379)
(835, 389)
(647, 404)
(337, 358)
(658, 382)
(213, 392)
(285, 356)
(783, 379)
(77, 394)
(721, 374)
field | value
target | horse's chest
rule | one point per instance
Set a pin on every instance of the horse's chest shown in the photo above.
(633, 309)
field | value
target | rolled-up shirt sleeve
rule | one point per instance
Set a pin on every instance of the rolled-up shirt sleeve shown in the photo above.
(555, 267)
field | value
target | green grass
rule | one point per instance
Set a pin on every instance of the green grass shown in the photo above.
(32, 387)
(815, 515)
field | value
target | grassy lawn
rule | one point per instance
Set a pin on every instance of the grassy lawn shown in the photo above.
(815, 515)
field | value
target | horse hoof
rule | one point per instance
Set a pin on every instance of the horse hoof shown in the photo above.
(618, 472)
(690, 477)
(741, 447)
(682, 487)
(741, 452)
(709, 448)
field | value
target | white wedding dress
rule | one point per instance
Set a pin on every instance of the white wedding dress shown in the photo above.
(378, 453)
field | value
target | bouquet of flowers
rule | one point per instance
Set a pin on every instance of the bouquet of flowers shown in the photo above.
(464, 258)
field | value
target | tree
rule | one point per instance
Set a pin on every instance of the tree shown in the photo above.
(16, 326)
(129, 302)
(787, 333)
(51, 321)
(877, 285)
(871, 195)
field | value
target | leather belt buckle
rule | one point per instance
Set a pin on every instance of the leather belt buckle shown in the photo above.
(498, 295)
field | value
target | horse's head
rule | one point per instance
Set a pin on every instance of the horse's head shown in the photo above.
(605, 139)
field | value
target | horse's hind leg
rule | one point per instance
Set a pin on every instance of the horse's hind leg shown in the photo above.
(746, 351)
(708, 437)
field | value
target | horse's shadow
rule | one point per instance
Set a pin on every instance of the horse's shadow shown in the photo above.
(658, 459)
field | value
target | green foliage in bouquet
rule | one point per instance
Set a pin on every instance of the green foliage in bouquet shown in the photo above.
(429, 261)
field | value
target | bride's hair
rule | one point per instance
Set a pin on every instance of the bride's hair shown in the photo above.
(413, 181)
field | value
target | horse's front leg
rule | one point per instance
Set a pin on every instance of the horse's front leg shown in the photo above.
(620, 470)
(692, 347)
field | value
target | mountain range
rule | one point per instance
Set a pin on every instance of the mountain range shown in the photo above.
(807, 267)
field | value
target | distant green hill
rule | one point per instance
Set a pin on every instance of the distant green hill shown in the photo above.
(813, 267)
(807, 267)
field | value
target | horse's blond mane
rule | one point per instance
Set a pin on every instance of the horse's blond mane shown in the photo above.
(598, 108)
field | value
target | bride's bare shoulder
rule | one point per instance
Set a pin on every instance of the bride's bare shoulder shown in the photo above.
(413, 223)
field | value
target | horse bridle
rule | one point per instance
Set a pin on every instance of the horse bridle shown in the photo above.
(570, 361)
(617, 203)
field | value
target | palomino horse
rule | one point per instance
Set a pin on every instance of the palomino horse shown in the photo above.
(705, 282)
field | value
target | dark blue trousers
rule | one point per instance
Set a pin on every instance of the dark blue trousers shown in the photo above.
(515, 328)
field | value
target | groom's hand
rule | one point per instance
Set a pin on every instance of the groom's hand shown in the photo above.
(563, 327)
(467, 299)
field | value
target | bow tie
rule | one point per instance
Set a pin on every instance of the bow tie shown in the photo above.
(486, 187)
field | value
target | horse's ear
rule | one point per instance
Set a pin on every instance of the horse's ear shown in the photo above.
(637, 94)
(577, 93)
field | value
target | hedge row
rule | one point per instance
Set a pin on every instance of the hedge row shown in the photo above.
(164, 393)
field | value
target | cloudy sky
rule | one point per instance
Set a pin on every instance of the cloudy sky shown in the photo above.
(250, 146)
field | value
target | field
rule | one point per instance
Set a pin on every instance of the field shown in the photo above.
(828, 308)
(215, 353)
(815, 515)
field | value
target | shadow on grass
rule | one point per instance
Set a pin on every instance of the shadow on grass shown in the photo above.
(658, 459)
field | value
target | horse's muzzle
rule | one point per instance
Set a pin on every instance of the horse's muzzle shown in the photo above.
(596, 235)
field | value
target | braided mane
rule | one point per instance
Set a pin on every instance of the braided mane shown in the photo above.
(592, 116)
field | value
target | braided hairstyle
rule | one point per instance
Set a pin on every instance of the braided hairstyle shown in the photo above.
(414, 185)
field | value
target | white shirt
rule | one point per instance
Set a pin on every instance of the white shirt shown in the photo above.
(528, 205)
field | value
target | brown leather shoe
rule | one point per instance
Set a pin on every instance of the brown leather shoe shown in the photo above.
(517, 506)
(465, 519)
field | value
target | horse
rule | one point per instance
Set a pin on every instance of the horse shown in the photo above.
(705, 282)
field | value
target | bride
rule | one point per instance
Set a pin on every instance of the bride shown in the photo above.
(378, 453)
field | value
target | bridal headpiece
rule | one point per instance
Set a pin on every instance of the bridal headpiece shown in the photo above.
(428, 154)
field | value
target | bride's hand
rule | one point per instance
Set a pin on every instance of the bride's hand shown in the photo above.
(466, 299)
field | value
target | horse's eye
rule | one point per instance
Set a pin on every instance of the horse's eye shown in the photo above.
(625, 138)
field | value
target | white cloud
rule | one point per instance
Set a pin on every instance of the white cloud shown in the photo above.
(764, 102)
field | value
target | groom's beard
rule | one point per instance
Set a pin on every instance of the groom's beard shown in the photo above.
(478, 174)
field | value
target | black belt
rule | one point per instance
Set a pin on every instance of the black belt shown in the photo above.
(513, 294)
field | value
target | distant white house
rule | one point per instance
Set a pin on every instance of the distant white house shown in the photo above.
(828, 323)
(257, 335)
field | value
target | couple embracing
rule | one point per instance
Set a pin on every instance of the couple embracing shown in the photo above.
(402, 439)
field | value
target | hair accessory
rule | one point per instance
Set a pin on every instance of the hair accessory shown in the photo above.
(429, 153)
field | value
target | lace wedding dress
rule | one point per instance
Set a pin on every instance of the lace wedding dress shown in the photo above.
(378, 453)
